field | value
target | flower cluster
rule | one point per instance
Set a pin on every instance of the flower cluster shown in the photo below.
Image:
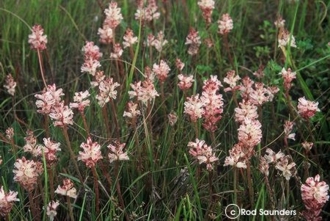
(31, 145)
(306, 108)
(284, 36)
(282, 162)
(107, 91)
(207, 7)
(7, 201)
(148, 13)
(231, 79)
(315, 194)
(50, 103)
(129, 38)
(91, 153)
(81, 100)
(161, 70)
(185, 82)
(236, 157)
(50, 149)
(67, 189)
(112, 20)
(26, 173)
(212, 103)
(132, 110)
(158, 42)
(117, 152)
(37, 39)
(194, 41)
(144, 91)
(194, 107)
(225, 24)
(288, 76)
(51, 209)
(288, 127)
(10, 85)
(203, 153)
(92, 57)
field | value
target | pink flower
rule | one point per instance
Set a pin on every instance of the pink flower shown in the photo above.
(10, 85)
(236, 157)
(225, 24)
(231, 79)
(207, 7)
(272, 157)
(81, 100)
(132, 110)
(246, 110)
(185, 82)
(31, 145)
(280, 22)
(113, 15)
(179, 64)
(159, 42)
(37, 40)
(7, 201)
(314, 195)
(62, 115)
(249, 132)
(194, 41)
(10, 133)
(306, 108)
(106, 35)
(194, 107)
(144, 91)
(48, 99)
(147, 14)
(107, 91)
(26, 173)
(288, 127)
(67, 189)
(91, 153)
(288, 76)
(212, 102)
(98, 78)
(307, 145)
(91, 51)
(264, 166)
(92, 56)
(129, 38)
(161, 70)
(50, 149)
(284, 38)
(288, 169)
(117, 51)
(51, 209)
(172, 118)
(203, 153)
(117, 152)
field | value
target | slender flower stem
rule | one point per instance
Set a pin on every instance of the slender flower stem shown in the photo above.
(250, 185)
(106, 120)
(120, 196)
(96, 189)
(41, 67)
(33, 207)
(72, 155)
(85, 123)
(70, 208)
(115, 118)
